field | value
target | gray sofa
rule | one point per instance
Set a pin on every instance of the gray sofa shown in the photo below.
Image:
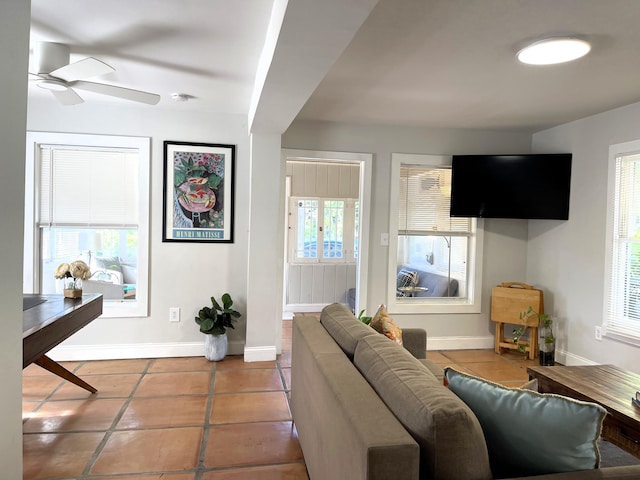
(436, 285)
(366, 408)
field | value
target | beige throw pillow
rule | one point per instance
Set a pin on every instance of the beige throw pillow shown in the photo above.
(384, 324)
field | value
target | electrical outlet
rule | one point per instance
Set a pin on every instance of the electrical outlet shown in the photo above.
(174, 314)
(598, 333)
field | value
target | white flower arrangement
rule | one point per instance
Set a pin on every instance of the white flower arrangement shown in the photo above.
(72, 272)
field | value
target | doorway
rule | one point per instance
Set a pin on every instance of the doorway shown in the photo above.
(326, 229)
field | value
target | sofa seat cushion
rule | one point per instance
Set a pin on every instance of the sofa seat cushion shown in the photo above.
(452, 445)
(344, 328)
(531, 433)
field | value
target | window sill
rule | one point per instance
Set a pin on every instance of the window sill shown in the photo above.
(420, 305)
(622, 338)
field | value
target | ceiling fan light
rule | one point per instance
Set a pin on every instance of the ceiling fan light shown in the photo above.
(551, 51)
(54, 85)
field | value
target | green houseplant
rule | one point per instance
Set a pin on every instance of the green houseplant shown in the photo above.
(213, 322)
(364, 319)
(546, 339)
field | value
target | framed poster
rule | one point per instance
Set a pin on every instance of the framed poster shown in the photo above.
(198, 192)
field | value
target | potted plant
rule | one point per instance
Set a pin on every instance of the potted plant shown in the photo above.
(546, 339)
(213, 322)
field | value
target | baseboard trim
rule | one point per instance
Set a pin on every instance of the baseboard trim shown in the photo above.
(63, 353)
(566, 358)
(459, 343)
(260, 354)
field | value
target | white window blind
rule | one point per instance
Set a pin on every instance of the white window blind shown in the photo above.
(623, 310)
(75, 187)
(423, 237)
(424, 202)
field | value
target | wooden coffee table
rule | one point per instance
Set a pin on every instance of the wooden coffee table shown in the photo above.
(606, 385)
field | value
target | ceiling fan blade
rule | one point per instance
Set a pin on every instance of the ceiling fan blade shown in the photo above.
(120, 92)
(67, 97)
(85, 68)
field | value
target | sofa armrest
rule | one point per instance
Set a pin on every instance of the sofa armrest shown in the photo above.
(415, 340)
(345, 430)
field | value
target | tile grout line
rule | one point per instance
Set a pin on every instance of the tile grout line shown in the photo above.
(109, 431)
(53, 392)
(206, 427)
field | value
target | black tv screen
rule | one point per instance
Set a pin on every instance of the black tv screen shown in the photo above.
(533, 186)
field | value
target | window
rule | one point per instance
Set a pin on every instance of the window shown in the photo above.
(622, 311)
(87, 199)
(322, 230)
(434, 259)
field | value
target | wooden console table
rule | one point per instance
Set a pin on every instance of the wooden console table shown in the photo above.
(606, 385)
(48, 320)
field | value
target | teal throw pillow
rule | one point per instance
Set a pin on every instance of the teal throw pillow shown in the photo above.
(530, 433)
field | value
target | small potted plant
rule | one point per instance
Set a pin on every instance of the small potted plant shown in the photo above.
(213, 322)
(546, 339)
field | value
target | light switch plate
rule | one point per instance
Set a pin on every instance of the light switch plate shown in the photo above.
(384, 239)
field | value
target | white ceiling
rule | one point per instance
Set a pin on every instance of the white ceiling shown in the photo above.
(432, 63)
(208, 49)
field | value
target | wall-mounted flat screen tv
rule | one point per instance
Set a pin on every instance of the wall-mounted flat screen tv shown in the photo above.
(533, 186)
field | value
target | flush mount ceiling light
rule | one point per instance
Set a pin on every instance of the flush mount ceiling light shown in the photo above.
(554, 50)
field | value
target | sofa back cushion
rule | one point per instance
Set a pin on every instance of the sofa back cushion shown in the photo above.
(345, 430)
(344, 327)
(452, 445)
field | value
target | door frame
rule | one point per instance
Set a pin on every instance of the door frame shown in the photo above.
(365, 163)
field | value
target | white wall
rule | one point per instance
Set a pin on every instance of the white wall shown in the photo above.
(183, 275)
(567, 258)
(266, 257)
(505, 240)
(14, 48)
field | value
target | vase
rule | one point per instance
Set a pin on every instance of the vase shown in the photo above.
(547, 347)
(72, 293)
(215, 347)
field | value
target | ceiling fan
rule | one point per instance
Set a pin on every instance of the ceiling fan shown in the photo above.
(61, 78)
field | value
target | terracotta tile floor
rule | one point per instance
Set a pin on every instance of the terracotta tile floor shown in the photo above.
(183, 418)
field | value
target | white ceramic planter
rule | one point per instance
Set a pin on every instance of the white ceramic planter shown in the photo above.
(215, 347)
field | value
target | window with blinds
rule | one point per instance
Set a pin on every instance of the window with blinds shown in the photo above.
(435, 259)
(430, 242)
(623, 279)
(87, 199)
